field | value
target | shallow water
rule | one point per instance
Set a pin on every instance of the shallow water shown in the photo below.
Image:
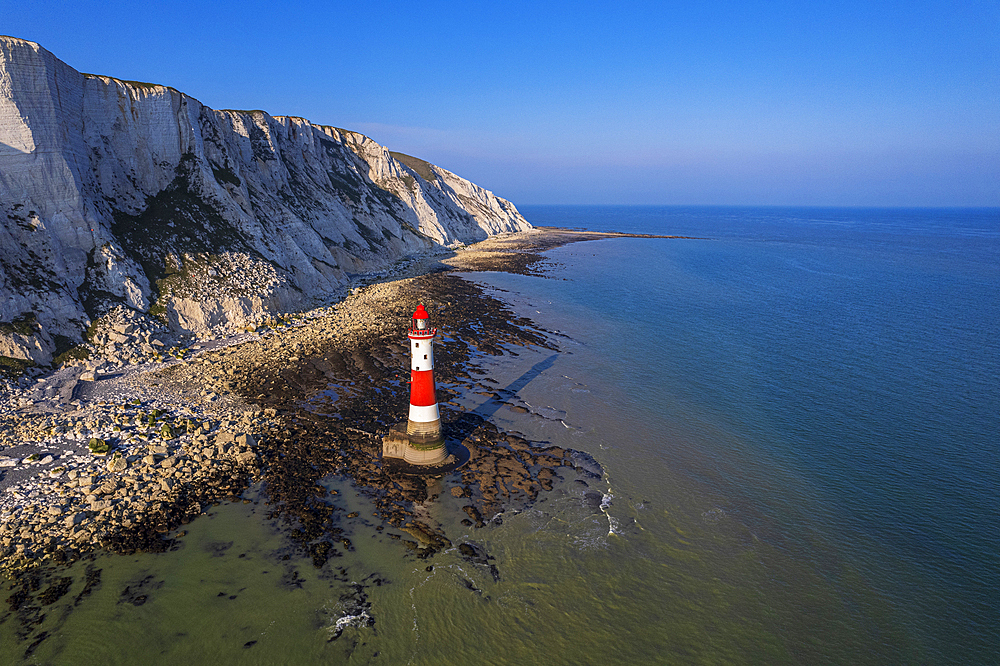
(796, 419)
(828, 377)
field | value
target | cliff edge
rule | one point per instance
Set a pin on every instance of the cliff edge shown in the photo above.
(119, 193)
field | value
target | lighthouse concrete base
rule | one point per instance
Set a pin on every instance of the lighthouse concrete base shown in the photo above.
(414, 449)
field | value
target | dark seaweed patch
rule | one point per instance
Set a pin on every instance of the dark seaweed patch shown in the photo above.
(137, 593)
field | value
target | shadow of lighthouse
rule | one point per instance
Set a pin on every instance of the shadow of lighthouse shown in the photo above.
(491, 406)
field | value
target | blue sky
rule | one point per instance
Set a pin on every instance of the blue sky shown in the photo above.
(771, 102)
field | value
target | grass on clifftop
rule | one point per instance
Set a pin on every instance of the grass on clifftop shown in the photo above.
(423, 168)
(146, 85)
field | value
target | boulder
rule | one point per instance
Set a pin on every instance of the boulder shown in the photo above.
(75, 518)
(117, 463)
(246, 440)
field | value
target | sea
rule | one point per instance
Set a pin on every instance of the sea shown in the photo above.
(797, 414)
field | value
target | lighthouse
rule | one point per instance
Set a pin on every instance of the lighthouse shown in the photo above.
(420, 441)
(424, 421)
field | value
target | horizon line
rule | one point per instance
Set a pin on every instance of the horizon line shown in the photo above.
(731, 205)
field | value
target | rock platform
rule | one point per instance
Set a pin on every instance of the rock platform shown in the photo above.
(296, 400)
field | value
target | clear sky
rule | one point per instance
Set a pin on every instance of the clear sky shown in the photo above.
(855, 102)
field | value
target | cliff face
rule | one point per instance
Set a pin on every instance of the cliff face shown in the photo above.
(115, 192)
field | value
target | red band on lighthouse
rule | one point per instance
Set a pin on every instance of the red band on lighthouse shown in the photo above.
(424, 418)
(422, 388)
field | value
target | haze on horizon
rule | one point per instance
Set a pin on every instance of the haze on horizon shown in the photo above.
(853, 103)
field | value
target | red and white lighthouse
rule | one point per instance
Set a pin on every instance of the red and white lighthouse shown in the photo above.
(421, 443)
(424, 423)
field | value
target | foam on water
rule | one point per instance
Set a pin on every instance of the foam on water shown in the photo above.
(362, 619)
(613, 523)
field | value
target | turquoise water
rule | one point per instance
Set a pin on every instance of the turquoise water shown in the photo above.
(797, 416)
(830, 376)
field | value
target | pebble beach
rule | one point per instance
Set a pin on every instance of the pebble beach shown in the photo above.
(116, 450)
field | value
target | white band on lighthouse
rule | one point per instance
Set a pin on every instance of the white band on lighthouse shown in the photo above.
(421, 355)
(424, 413)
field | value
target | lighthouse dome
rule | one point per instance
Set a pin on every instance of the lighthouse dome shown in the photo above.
(420, 318)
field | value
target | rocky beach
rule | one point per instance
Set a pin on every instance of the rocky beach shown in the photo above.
(117, 452)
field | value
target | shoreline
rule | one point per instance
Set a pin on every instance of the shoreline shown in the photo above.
(227, 412)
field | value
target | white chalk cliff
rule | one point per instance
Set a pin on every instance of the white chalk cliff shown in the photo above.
(114, 192)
